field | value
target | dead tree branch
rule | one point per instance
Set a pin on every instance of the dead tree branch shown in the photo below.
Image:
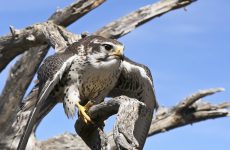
(65, 17)
(166, 119)
(190, 110)
(131, 114)
(128, 23)
(15, 43)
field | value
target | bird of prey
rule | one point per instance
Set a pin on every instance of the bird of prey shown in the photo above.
(97, 68)
(86, 71)
(81, 76)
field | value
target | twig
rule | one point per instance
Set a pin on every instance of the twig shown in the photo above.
(188, 101)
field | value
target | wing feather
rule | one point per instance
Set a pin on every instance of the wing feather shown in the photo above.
(47, 87)
(135, 81)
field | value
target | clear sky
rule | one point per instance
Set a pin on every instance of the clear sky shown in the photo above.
(185, 50)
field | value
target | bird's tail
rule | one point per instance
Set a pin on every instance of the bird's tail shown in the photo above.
(18, 126)
(24, 114)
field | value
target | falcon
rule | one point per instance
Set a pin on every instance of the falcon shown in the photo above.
(79, 77)
(88, 71)
(85, 72)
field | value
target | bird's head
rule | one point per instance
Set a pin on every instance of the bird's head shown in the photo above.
(102, 49)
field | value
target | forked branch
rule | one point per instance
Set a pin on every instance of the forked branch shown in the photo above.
(190, 110)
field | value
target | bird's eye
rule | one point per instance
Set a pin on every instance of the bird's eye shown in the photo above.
(107, 47)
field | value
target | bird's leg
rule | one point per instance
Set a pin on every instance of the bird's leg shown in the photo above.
(82, 112)
(88, 105)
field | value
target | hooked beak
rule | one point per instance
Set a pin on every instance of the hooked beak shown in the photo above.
(119, 51)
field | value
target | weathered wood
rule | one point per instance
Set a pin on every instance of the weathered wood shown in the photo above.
(188, 101)
(70, 14)
(194, 110)
(57, 37)
(127, 130)
(128, 23)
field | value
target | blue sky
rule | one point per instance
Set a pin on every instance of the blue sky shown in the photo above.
(185, 50)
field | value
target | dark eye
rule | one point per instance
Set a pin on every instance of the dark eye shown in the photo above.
(107, 47)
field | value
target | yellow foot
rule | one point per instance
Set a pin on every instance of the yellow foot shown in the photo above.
(88, 105)
(82, 112)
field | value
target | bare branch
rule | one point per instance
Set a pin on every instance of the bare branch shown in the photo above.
(170, 118)
(224, 105)
(128, 23)
(75, 11)
(57, 37)
(16, 43)
(41, 34)
(188, 101)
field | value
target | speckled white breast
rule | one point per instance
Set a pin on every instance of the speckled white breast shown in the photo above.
(95, 80)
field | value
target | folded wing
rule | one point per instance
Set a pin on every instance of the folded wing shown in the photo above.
(50, 73)
(136, 82)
